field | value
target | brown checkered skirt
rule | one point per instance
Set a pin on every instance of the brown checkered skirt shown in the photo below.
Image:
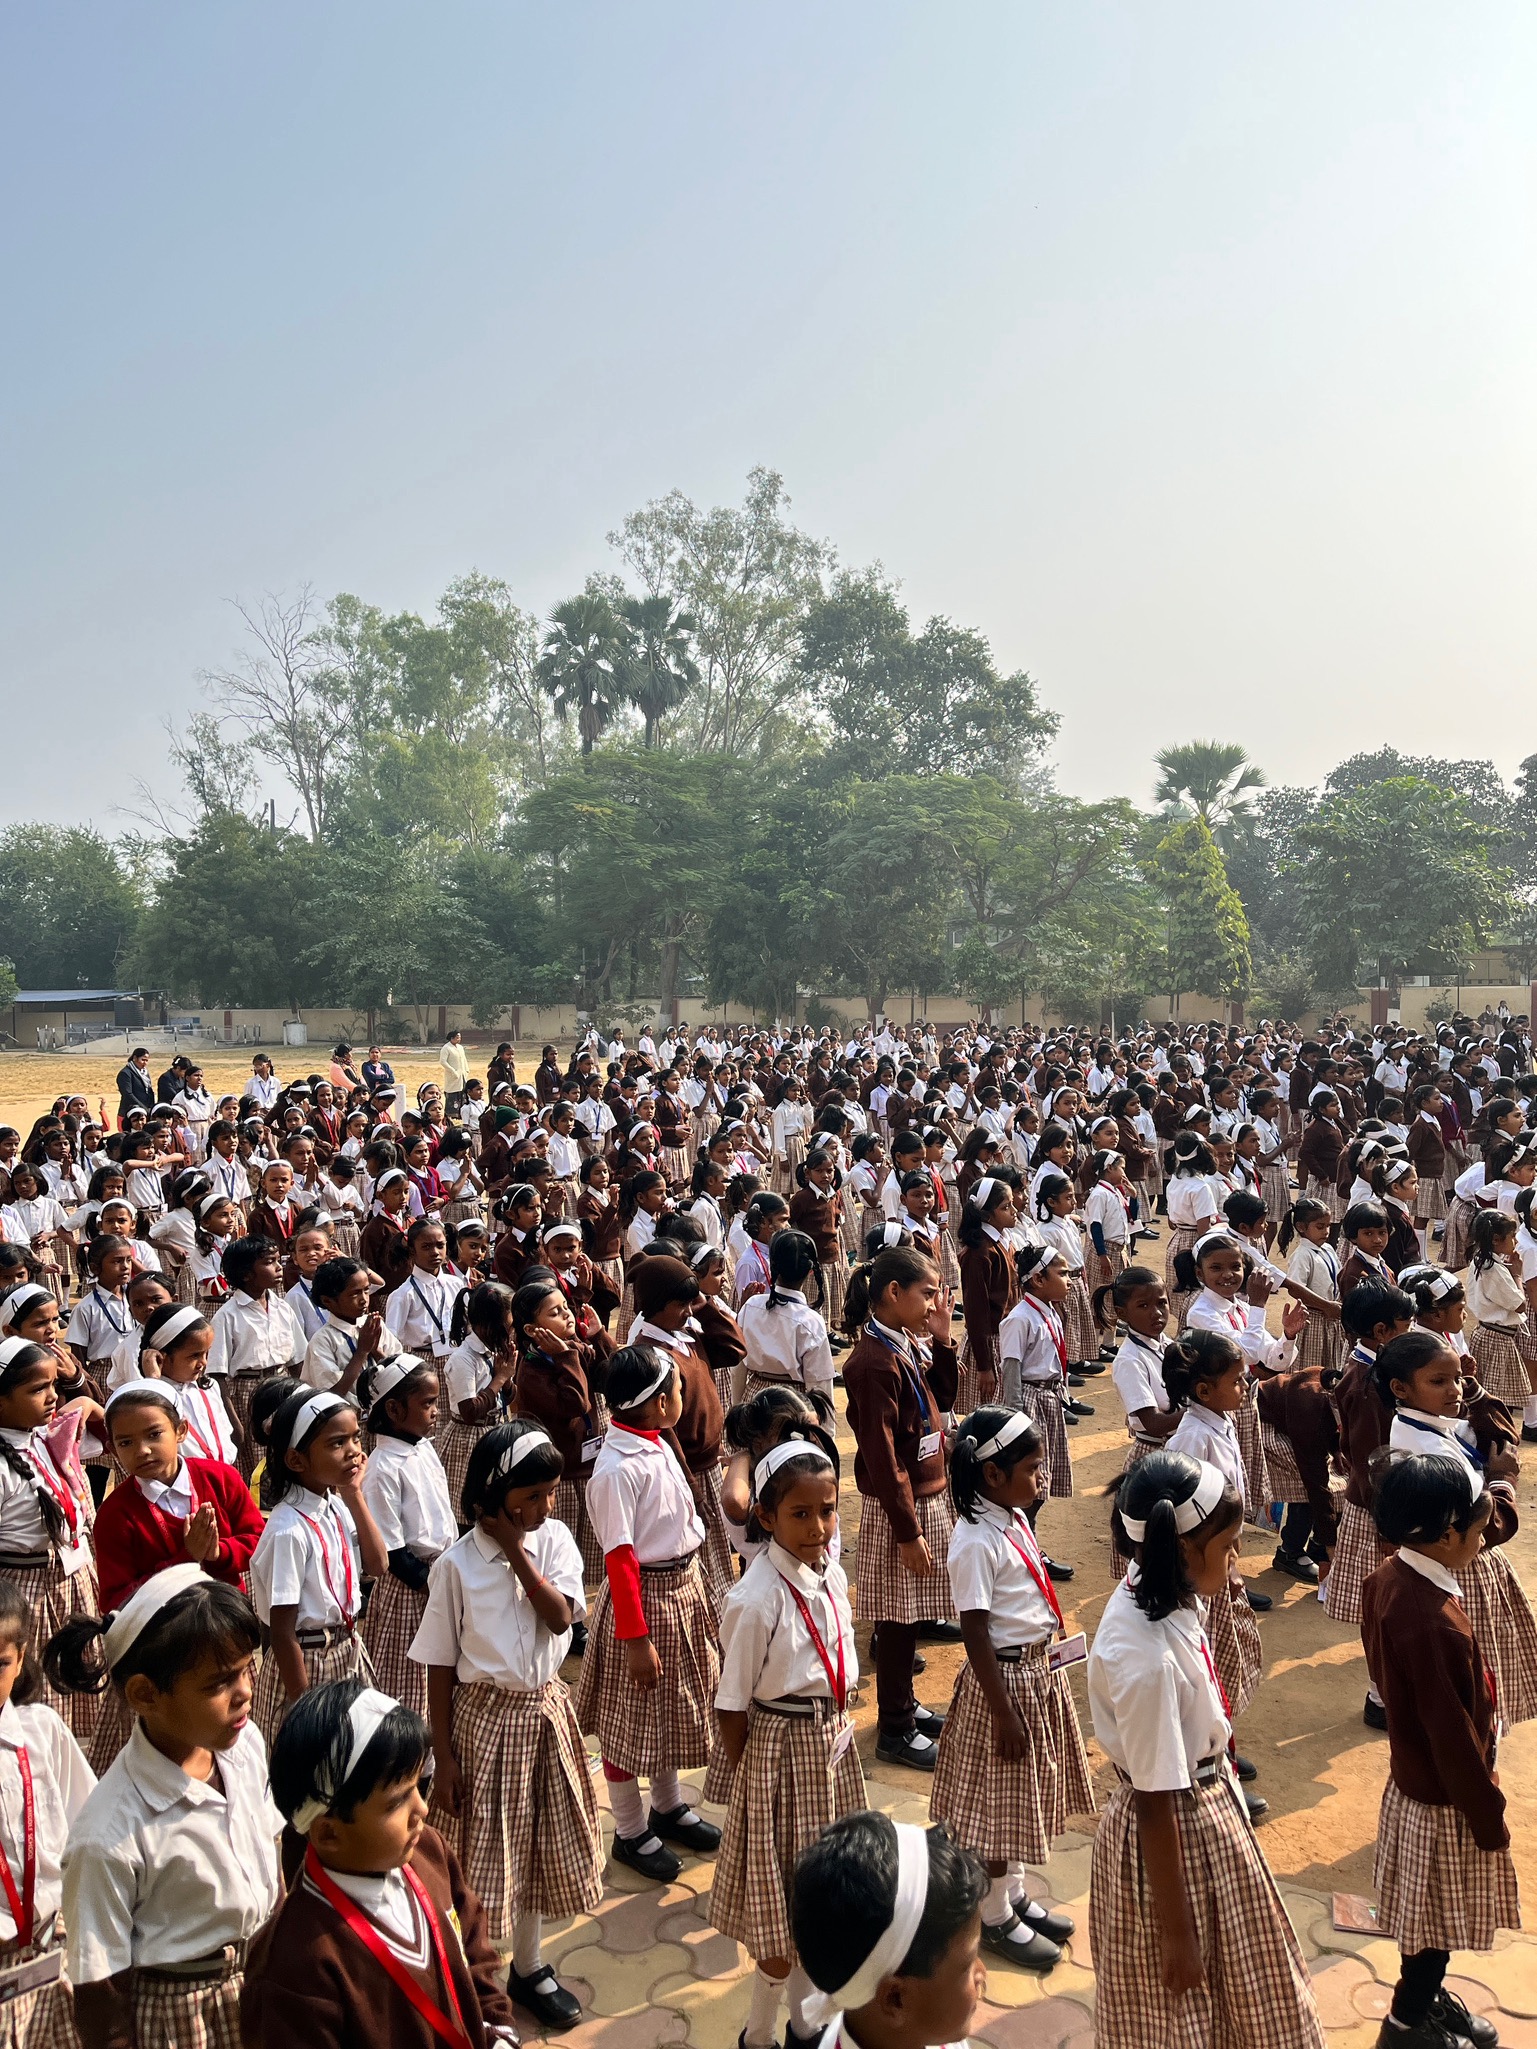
(1010, 1809)
(1256, 1474)
(754, 1383)
(783, 1794)
(527, 1832)
(1436, 1889)
(672, 1727)
(1078, 1327)
(1501, 1369)
(1459, 1222)
(1281, 1464)
(1182, 1238)
(38, 2020)
(1099, 1273)
(883, 1590)
(114, 1726)
(454, 1443)
(968, 1394)
(1326, 1193)
(1505, 1631)
(835, 1274)
(1358, 1551)
(673, 1165)
(394, 1615)
(186, 2013)
(1430, 1203)
(571, 1509)
(717, 1558)
(53, 1596)
(346, 1659)
(1257, 1987)
(1042, 1402)
(1322, 1343)
(1233, 1634)
(1276, 1188)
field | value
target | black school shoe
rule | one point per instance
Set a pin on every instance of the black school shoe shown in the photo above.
(545, 1998)
(915, 1750)
(927, 1723)
(1036, 1953)
(698, 1835)
(1260, 1603)
(1246, 1771)
(1078, 1408)
(1055, 1569)
(939, 1632)
(1374, 1714)
(578, 1640)
(1041, 1921)
(1457, 2021)
(1298, 1564)
(1092, 1366)
(1258, 1808)
(1430, 2034)
(659, 1863)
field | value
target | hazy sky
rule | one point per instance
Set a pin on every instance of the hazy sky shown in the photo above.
(1184, 350)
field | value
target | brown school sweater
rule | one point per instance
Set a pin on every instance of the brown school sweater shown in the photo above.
(989, 1290)
(888, 1425)
(817, 1216)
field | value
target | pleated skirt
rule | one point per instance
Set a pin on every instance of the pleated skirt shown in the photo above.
(1011, 1809)
(346, 1659)
(1256, 1475)
(1505, 1630)
(181, 2013)
(671, 1728)
(394, 1615)
(1454, 1243)
(1042, 1403)
(571, 1509)
(1358, 1551)
(1233, 1634)
(1078, 1327)
(717, 1558)
(1436, 1889)
(883, 1590)
(1501, 1368)
(53, 1596)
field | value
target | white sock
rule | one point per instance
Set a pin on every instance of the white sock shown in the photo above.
(798, 1989)
(1374, 1696)
(526, 1958)
(628, 1808)
(998, 1907)
(761, 2031)
(1017, 1888)
(1529, 1415)
(667, 1796)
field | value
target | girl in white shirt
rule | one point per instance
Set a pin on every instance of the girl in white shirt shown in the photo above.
(407, 1495)
(786, 1752)
(181, 1337)
(1032, 1357)
(475, 1378)
(790, 1122)
(319, 1546)
(500, 1608)
(652, 1662)
(36, 1218)
(1313, 1277)
(421, 1310)
(1188, 1930)
(786, 1338)
(1011, 1764)
(1055, 1203)
(1191, 1203)
(1497, 1298)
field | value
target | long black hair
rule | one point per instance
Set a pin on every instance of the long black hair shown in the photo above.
(966, 1467)
(1150, 1493)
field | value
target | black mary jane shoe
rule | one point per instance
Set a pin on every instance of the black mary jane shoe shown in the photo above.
(1462, 2025)
(659, 1863)
(1260, 1603)
(543, 1995)
(1298, 1565)
(928, 1723)
(1039, 1953)
(1257, 1807)
(1055, 1569)
(1374, 1714)
(1092, 1366)
(915, 1750)
(1057, 1928)
(698, 1835)
(1079, 1408)
(1075, 1378)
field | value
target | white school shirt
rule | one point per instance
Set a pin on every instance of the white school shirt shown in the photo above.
(639, 1233)
(262, 1089)
(1526, 1245)
(1316, 1268)
(406, 1489)
(563, 1154)
(329, 1352)
(421, 1310)
(1495, 1295)
(341, 1199)
(301, 1300)
(1104, 1206)
(1153, 1694)
(290, 1564)
(1413, 1431)
(987, 1572)
(209, 1434)
(228, 1177)
(891, 1199)
(1027, 1351)
(1244, 1323)
(1207, 1434)
(162, 1868)
(705, 1211)
(479, 1621)
(639, 1495)
(752, 1268)
(766, 1650)
(145, 1189)
(1191, 1204)
(67, 1184)
(251, 1336)
(466, 1372)
(61, 1783)
(26, 1221)
(98, 1323)
(788, 1341)
(1138, 1376)
(1065, 1235)
(1470, 1183)
(177, 1229)
(23, 1531)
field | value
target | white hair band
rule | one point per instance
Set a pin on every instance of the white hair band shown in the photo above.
(141, 1608)
(21, 1302)
(1209, 1239)
(365, 1715)
(982, 1190)
(317, 1406)
(897, 1939)
(1395, 1173)
(1188, 1515)
(1000, 1440)
(562, 1230)
(390, 1373)
(893, 1234)
(175, 1326)
(211, 1202)
(781, 1454)
(520, 1449)
(140, 1389)
(390, 1174)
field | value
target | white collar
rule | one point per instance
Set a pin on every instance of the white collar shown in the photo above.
(1431, 1569)
(674, 1340)
(795, 1570)
(340, 1323)
(309, 1502)
(22, 1439)
(11, 1730)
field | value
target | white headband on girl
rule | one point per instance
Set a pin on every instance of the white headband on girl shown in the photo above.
(519, 1450)
(388, 1376)
(17, 1305)
(701, 1253)
(211, 1202)
(561, 1231)
(1016, 1426)
(891, 1946)
(317, 1406)
(1209, 1239)
(664, 1366)
(982, 1191)
(174, 1327)
(1050, 1257)
(141, 1608)
(893, 1234)
(1439, 1282)
(1395, 1173)
(779, 1455)
(1188, 1515)
(365, 1715)
(140, 1390)
(390, 1174)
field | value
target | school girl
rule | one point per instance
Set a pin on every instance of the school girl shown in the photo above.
(34, 1217)
(1033, 1362)
(555, 1390)
(1313, 1279)
(719, 1334)
(785, 1338)
(900, 1379)
(789, 1122)
(421, 1310)
(1318, 1155)
(1109, 1213)
(382, 1243)
(814, 1211)
(761, 1222)
(319, 1546)
(407, 1496)
(255, 1332)
(172, 1863)
(1443, 1871)
(989, 1285)
(1011, 1765)
(1497, 1298)
(1055, 1202)
(477, 1376)
(1193, 1206)
(786, 1765)
(181, 1339)
(1220, 1267)
(1190, 1939)
(351, 1336)
(665, 1293)
(753, 1428)
(380, 1938)
(100, 1320)
(652, 1665)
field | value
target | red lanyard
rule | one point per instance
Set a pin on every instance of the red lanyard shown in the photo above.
(1215, 1678)
(838, 1680)
(1048, 1591)
(23, 1905)
(60, 1492)
(349, 1620)
(214, 1450)
(449, 2025)
(1052, 1325)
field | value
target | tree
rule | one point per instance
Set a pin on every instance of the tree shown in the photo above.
(67, 907)
(1398, 878)
(659, 670)
(480, 610)
(882, 889)
(1478, 783)
(1208, 934)
(1259, 850)
(582, 665)
(745, 576)
(1215, 778)
(233, 916)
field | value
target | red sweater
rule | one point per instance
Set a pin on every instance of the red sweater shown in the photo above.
(134, 1539)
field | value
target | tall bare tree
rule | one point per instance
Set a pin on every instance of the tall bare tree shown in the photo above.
(281, 689)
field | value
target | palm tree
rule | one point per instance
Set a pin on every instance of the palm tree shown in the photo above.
(1212, 777)
(582, 666)
(660, 669)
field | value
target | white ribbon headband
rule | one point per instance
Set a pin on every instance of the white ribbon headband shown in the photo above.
(780, 1455)
(21, 1303)
(1210, 1239)
(388, 1376)
(317, 1406)
(365, 1715)
(211, 1202)
(516, 1452)
(175, 1326)
(892, 1946)
(1188, 1515)
(141, 1390)
(982, 1191)
(390, 1174)
(664, 1366)
(552, 1231)
(1016, 1426)
(140, 1610)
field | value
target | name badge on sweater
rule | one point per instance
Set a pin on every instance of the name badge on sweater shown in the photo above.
(929, 1444)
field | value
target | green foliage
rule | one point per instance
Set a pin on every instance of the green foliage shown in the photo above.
(68, 907)
(1478, 783)
(1208, 934)
(1285, 985)
(583, 665)
(1213, 778)
(8, 984)
(659, 669)
(234, 916)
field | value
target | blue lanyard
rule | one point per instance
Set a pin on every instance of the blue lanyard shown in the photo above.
(437, 1321)
(106, 1310)
(910, 1372)
(1449, 1438)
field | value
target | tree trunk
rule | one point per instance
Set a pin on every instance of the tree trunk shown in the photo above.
(672, 946)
